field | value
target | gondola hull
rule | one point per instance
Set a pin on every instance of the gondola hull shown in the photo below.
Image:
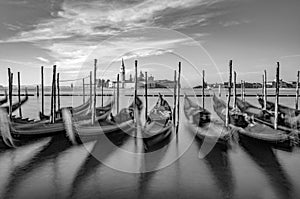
(201, 125)
(158, 127)
(257, 131)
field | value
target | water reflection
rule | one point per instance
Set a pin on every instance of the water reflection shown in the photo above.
(219, 164)
(52, 150)
(150, 161)
(263, 155)
(91, 163)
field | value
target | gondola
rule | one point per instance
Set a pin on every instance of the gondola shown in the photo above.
(201, 124)
(287, 116)
(4, 100)
(85, 114)
(264, 116)
(158, 126)
(122, 122)
(16, 105)
(79, 110)
(243, 125)
(12, 131)
(281, 108)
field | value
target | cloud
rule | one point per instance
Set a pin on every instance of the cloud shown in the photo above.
(107, 18)
(80, 29)
(43, 59)
(146, 53)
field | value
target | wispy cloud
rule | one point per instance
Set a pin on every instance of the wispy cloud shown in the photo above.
(106, 18)
(80, 27)
(42, 59)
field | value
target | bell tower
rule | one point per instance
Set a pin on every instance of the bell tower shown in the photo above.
(122, 71)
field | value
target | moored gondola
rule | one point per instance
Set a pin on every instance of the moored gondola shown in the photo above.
(15, 132)
(16, 105)
(264, 116)
(84, 113)
(287, 116)
(201, 124)
(158, 126)
(122, 123)
(281, 108)
(245, 126)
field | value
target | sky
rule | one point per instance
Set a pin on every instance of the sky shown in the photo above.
(201, 34)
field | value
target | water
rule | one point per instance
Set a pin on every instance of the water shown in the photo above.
(52, 168)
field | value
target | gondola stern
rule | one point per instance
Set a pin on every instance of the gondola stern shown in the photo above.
(69, 126)
(5, 129)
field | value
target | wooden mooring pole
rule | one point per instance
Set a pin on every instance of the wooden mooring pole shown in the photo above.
(37, 91)
(83, 90)
(263, 85)
(58, 92)
(265, 90)
(297, 90)
(19, 94)
(242, 90)
(178, 94)
(53, 95)
(203, 88)
(91, 90)
(174, 97)
(51, 104)
(276, 97)
(54, 92)
(95, 92)
(146, 96)
(234, 90)
(10, 76)
(135, 99)
(102, 85)
(42, 85)
(118, 92)
(229, 94)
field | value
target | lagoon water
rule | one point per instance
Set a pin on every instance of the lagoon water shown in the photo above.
(52, 168)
